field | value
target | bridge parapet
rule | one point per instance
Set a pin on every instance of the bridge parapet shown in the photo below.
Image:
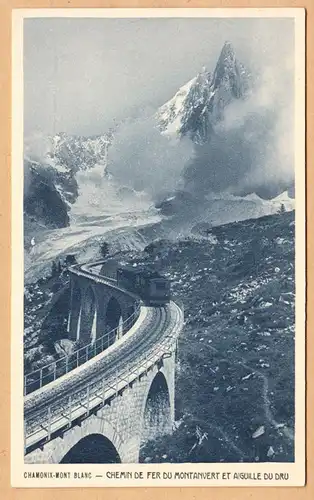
(119, 385)
(97, 278)
(100, 313)
(52, 371)
(72, 405)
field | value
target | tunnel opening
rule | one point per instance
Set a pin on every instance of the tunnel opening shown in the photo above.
(113, 320)
(157, 413)
(88, 321)
(92, 449)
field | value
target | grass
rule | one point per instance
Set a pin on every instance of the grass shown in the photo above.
(236, 353)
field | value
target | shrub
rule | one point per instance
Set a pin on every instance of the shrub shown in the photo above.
(104, 249)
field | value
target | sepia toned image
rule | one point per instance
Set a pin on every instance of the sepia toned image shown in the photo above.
(158, 193)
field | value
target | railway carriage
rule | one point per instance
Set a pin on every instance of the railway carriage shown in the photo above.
(153, 288)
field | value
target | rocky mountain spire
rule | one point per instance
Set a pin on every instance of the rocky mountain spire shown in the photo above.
(229, 72)
(199, 104)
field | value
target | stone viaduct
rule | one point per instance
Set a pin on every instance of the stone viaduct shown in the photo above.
(103, 410)
(97, 306)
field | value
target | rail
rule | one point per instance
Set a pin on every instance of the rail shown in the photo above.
(87, 266)
(40, 426)
(50, 372)
(97, 278)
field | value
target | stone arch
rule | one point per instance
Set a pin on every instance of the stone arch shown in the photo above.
(92, 449)
(114, 320)
(55, 451)
(156, 412)
(87, 326)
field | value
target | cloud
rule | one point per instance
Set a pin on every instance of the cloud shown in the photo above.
(37, 146)
(145, 160)
(81, 75)
(74, 82)
(252, 149)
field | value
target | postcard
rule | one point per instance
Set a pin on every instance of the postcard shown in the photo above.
(158, 242)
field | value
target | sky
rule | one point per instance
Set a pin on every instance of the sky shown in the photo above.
(82, 76)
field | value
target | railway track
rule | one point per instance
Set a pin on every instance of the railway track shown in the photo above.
(57, 405)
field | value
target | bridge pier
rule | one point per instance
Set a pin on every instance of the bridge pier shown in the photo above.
(88, 315)
(96, 309)
(75, 311)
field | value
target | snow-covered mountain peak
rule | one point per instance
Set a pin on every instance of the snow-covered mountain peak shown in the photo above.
(69, 153)
(52, 167)
(226, 64)
(200, 103)
(230, 74)
(282, 197)
(253, 197)
(203, 78)
(281, 202)
(227, 55)
(175, 117)
(169, 115)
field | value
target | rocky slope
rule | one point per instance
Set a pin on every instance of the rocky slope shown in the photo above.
(235, 366)
(73, 153)
(235, 376)
(43, 202)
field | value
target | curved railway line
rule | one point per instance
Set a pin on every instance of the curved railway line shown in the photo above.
(70, 398)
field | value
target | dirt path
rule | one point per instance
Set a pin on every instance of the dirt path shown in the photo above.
(286, 431)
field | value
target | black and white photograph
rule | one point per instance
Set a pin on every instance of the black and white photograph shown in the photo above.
(161, 261)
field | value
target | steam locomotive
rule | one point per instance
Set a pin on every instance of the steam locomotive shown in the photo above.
(153, 288)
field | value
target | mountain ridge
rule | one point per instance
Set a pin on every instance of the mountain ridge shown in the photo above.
(50, 174)
(194, 111)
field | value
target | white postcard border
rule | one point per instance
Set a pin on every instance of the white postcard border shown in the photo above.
(110, 472)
